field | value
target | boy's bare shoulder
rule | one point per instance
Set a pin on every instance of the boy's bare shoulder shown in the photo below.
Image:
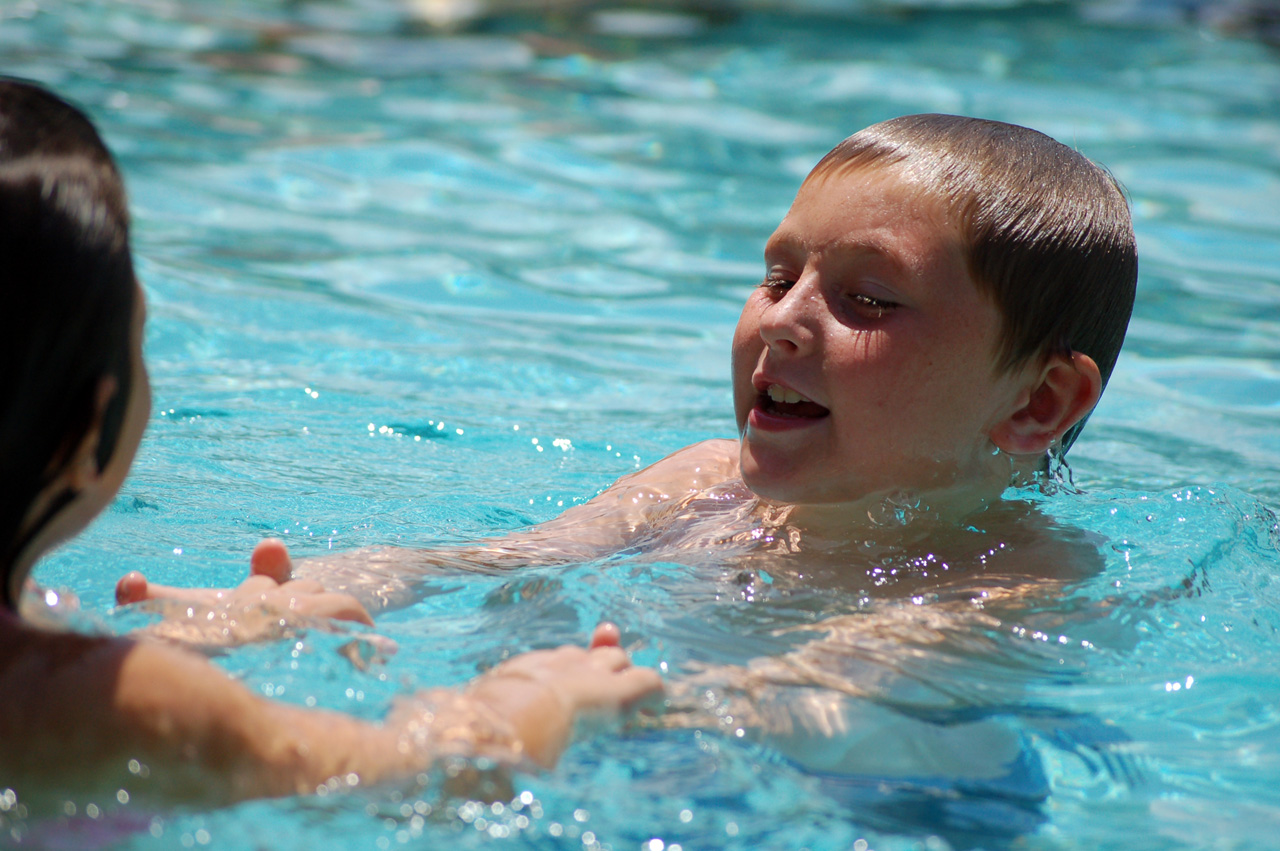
(611, 520)
(693, 468)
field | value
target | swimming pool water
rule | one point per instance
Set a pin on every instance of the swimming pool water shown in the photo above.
(410, 288)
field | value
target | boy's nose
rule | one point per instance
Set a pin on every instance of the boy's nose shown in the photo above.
(788, 325)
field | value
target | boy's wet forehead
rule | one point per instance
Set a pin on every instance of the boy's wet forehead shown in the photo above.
(872, 212)
(792, 240)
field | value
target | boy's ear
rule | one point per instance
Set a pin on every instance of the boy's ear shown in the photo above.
(1065, 389)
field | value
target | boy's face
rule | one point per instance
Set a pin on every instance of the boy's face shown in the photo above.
(864, 363)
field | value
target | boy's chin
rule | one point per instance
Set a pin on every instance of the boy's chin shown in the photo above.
(767, 481)
(781, 484)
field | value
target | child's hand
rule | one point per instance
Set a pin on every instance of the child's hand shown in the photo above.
(544, 692)
(267, 605)
(526, 707)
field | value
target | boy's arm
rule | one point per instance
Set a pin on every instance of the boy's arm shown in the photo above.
(385, 578)
(614, 520)
(102, 719)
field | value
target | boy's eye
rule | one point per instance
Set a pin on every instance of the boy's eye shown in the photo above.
(871, 306)
(776, 284)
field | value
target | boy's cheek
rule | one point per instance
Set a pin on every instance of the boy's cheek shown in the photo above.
(742, 365)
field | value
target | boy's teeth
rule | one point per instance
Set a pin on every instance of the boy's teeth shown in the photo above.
(782, 394)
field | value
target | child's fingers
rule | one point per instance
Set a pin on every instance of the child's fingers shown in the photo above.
(132, 588)
(610, 658)
(308, 597)
(334, 606)
(303, 586)
(606, 634)
(639, 684)
(271, 558)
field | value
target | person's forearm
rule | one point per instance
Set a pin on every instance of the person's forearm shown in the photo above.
(386, 578)
(389, 578)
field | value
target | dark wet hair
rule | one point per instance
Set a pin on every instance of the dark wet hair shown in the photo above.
(67, 288)
(1047, 232)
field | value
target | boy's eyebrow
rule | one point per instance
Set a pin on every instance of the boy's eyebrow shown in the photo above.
(784, 241)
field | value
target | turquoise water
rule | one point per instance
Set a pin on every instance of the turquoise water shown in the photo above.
(381, 263)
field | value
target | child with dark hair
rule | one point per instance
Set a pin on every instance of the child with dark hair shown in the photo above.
(99, 719)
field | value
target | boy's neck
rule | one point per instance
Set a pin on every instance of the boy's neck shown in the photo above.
(948, 506)
(877, 515)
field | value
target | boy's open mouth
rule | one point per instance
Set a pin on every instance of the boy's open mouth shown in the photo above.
(784, 402)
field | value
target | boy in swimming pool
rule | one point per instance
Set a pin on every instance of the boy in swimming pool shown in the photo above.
(940, 311)
(95, 720)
